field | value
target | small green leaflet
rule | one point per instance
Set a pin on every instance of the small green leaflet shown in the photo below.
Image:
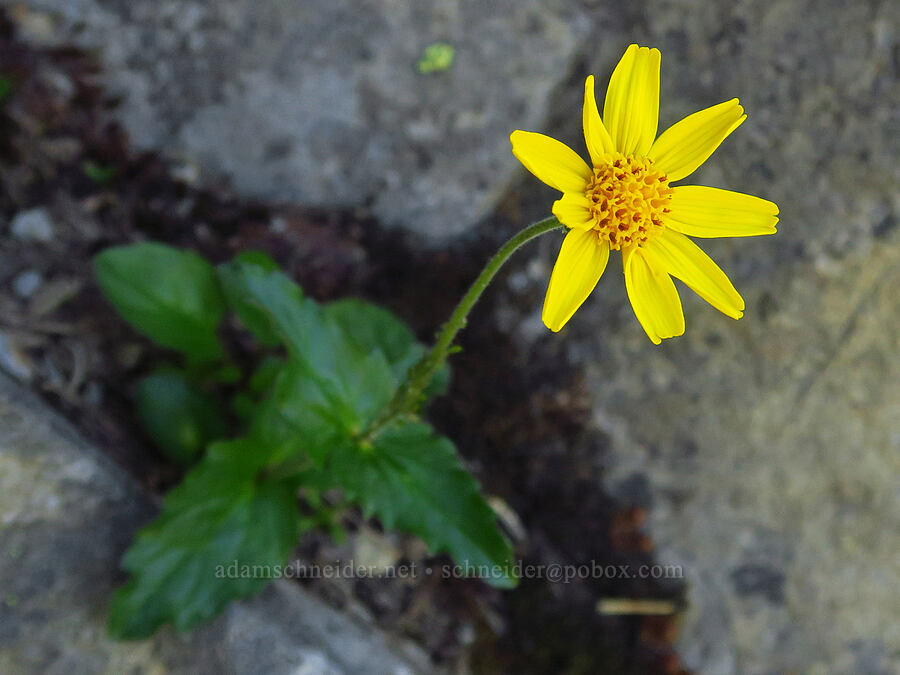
(330, 388)
(279, 309)
(101, 174)
(437, 57)
(371, 328)
(254, 318)
(179, 418)
(224, 512)
(6, 88)
(171, 296)
(314, 417)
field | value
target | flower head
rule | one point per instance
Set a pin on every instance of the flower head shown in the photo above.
(624, 201)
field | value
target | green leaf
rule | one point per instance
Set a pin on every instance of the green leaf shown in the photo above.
(224, 516)
(354, 383)
(171, 296)
(371, 328)
(179, 418)
(265, 374)
(6, 88)
(329, 339)
(101, 174)
(227, 374)
(436, 58)
(413, 481)
(315, 414)
(330, 389)
(297, 416)
(274, 308)
(254, 317)
(243, 406)
(439, 384)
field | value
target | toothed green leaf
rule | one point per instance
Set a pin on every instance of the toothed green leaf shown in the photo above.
(171, 296)
(224, 514)
(413, 481)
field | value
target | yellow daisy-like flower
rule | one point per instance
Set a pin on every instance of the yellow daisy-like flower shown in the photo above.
(624, 201)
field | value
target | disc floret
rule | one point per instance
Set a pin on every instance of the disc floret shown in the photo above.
(628, 200)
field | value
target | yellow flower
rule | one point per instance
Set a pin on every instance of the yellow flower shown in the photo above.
(625, 202)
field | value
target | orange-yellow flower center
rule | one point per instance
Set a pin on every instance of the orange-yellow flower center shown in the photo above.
(628, 199)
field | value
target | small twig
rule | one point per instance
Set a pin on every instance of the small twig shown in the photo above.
(639, 606)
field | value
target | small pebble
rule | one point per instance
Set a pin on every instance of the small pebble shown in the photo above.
(26, 283)
(53, 295)
(509, 518)
(62, 149)
(185, 171)
(374, 551)
(32, 225)
(466, 633)
(93, 394)
(278, 225)
(128, 355)
(33, 26)
(537, 269)
(13, 360)
(59, 81)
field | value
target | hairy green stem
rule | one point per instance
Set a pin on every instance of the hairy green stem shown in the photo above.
(457, 320)
(410, 394)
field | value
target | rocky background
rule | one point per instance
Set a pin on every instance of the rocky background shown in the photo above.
(765, 451)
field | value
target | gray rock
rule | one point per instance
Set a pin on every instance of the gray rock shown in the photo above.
(26, 283)
(13, 359)
(766, 450)
(320, 102)
(67, 513)
(33, 225)
(770, 450)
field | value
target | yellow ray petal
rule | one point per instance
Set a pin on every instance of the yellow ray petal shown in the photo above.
(553, 162)
(573, 211)
(582, 259)
(710, 212)
(596, 136)
(631, 109)
(685, 260)
(653, 296)
(685, 145)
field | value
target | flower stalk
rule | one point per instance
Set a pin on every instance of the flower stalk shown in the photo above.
(410, 394)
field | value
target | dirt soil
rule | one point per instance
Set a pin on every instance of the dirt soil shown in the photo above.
(517, 418)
